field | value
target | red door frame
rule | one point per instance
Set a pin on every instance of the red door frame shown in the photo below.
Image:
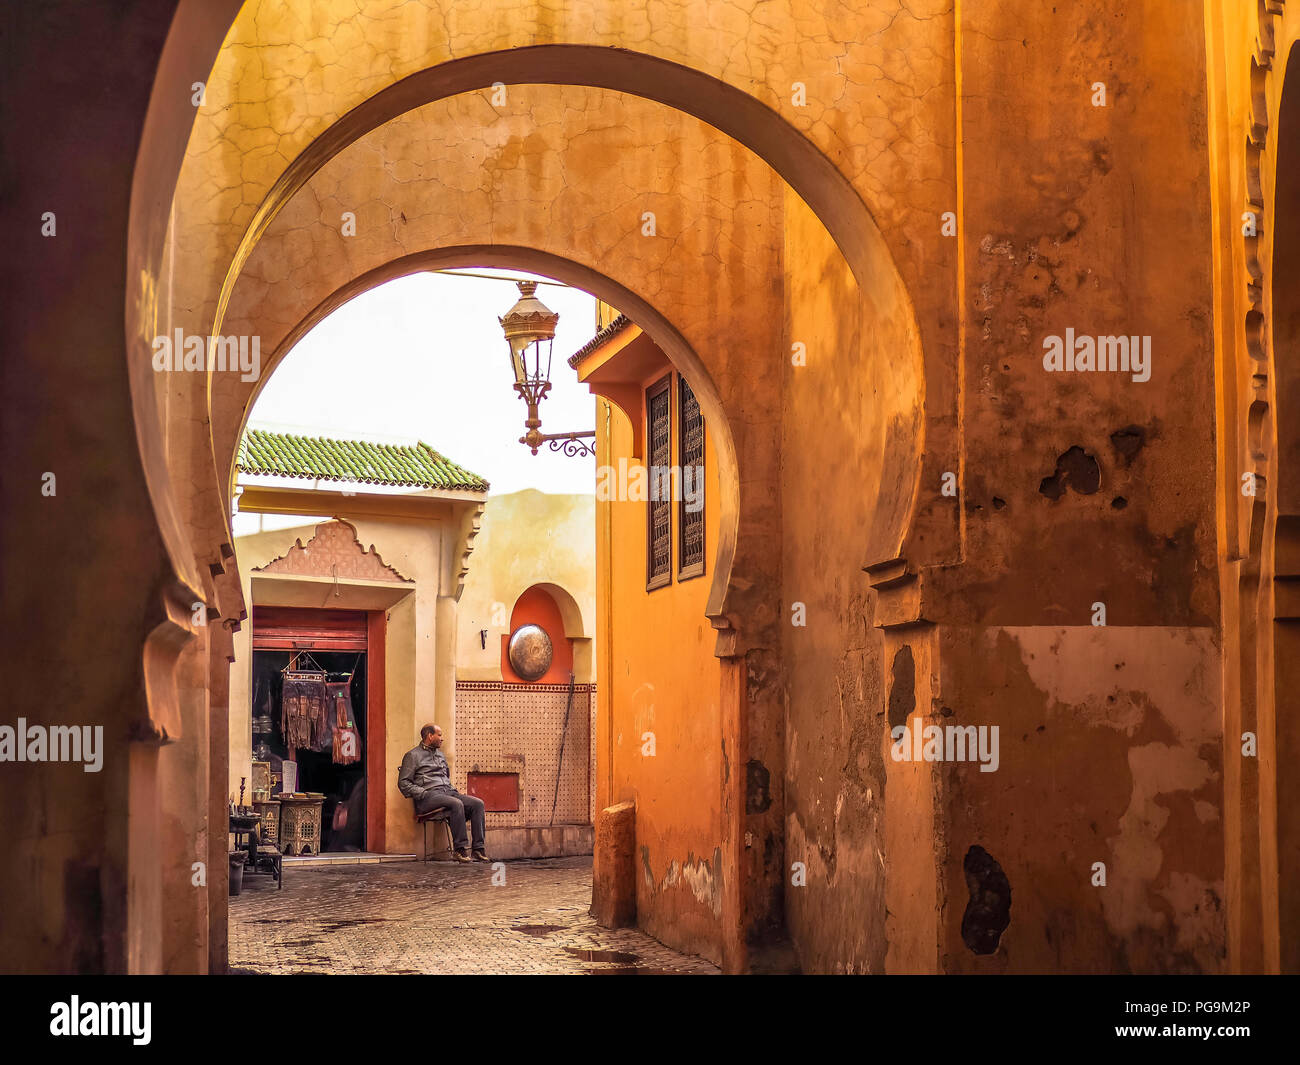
(292, 628)
(376, 745)
(308, 628)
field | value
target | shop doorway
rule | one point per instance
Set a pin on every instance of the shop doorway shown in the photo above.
(331, 645)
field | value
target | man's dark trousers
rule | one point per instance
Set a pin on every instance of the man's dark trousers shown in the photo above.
(457, 806)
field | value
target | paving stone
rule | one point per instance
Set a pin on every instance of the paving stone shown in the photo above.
(438, 917)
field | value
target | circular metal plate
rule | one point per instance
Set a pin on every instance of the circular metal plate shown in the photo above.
(530, 651)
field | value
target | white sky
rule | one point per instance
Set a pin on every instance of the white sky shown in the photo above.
(423, 358)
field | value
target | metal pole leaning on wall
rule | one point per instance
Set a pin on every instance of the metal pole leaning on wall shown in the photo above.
(564, 732)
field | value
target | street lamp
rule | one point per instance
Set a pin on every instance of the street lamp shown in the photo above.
(529, 327)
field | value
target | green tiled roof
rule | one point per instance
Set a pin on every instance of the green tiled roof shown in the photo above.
(418, 466)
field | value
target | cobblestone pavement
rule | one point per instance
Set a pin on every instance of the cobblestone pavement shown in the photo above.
(437, 917)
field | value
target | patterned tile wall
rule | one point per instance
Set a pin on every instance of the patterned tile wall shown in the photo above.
(516, 728)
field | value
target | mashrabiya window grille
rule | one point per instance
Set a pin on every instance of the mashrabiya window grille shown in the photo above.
(690, 451)
(659, 515)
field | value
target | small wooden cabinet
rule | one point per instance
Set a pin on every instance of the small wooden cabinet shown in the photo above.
(300, 823)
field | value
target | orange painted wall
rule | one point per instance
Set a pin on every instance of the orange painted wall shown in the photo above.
(657, 673)
(536, 607)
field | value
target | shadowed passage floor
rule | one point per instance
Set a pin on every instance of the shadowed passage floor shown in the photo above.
(438, 917)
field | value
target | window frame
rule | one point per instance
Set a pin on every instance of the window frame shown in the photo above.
(694, 569)
(652, 392)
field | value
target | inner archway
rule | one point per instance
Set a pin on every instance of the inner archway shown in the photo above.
(715, 276)
(691, 754)
(226, 434)
(695, 83)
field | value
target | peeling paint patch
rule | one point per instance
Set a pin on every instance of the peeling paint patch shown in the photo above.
(1086, 670)
(1159, 772)
(1074, 469)
(1142, 702)
(902, 688)
(759, 668)
(758, 795)
(698, 876)
(1199, 930)
(989, 910)
(1127, 442)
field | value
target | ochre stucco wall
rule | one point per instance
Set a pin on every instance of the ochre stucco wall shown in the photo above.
(1026, 273)
(657, 674)
(529, 538)
(834, 782)
(83, 882)
(1085, 488)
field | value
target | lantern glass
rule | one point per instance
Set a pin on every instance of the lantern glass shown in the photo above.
(518, 346)
(529, 327)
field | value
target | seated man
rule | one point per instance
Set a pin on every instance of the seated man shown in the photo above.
(426, 778)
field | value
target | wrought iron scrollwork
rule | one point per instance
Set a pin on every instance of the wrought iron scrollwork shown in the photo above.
(574, 445)
(573, 448)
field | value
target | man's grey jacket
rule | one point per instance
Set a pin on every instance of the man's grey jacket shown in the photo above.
(423, 769)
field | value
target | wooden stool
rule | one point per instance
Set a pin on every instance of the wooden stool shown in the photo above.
(437, 817)
(270, 860)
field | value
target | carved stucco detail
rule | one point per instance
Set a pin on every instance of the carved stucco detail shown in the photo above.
(470, 524)
(1260, 151)
(334, 551)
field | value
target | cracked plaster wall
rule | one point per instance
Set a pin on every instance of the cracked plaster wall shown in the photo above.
(1109, 752)
(834, 787)
(1086, 488)
(1069, 228)
(1079, 228)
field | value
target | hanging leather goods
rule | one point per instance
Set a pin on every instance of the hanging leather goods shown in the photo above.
(347, 740)
(303, 715)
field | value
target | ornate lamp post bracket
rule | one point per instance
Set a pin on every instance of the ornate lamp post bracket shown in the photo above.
(529, 327)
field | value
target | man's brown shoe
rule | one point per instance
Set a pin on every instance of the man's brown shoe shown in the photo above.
(461, 856)
(479, 856)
